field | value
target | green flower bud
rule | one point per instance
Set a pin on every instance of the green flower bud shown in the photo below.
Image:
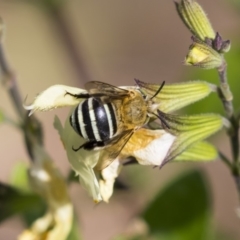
(202, 55)
(200, 151)
(190, 130)
(178, 95)
(195, 19)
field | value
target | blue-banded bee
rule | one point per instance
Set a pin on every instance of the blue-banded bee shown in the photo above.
(109, 116)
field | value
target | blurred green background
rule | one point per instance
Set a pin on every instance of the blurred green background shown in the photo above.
(117, 41)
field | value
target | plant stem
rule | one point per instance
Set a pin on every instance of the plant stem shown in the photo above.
(226, 97)
(76, 53)
(10, 82)
(225, 159)
(30, 125)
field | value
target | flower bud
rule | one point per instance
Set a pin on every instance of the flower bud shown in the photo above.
(195, 19)
(202, 55)
(177, 95)
(190, 130)
(200, 151)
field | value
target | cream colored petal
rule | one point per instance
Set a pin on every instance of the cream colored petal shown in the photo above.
(54, 97)
(109, 174)
(53, 225)
(81, 161)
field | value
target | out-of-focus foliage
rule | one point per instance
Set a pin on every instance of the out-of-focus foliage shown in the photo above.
(182, 210)
(18, 198)
(2, 117)
(14, 201)
(235, 2)
(74, 233)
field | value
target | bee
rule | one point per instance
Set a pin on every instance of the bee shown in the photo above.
(108, 116)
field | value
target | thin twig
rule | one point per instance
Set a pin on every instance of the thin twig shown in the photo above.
(225, 159)
(226, 97)
(76, 53)
(31, 126)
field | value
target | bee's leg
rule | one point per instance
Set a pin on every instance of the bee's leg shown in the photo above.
(89, 145)
(162, 119)
(80, 95)
(85, 95)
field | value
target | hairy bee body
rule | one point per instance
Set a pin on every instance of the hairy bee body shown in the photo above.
(94, 120)
(99, 121)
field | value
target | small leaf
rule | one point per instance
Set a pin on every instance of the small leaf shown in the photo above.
(182, 210)
(200, 151)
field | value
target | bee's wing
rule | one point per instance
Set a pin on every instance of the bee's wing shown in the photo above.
(116, 145)
(95, 87)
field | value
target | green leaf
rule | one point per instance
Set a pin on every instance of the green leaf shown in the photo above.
(12, 202)
(200, 151)
(182, 211)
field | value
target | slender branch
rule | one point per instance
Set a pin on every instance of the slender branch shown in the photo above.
(225, 159)
(31, 126)
(225, 90)
(226, 97)
(10, 82)
(237, 181)
(76, 53)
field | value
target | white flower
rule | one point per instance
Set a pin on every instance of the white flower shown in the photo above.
(149, 145)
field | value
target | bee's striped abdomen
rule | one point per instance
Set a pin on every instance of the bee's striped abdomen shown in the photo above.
(94, 120)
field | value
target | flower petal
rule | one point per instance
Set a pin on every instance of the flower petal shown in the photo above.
(54, 97)
(81, 161)
(109, 174)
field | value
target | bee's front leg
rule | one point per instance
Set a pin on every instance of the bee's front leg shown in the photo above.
(80, 95)
(89, 145)
(85, 95)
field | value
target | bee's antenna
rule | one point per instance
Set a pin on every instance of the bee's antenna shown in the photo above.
(139, 89)
(158, 91)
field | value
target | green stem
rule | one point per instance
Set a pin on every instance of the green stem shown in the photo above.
(225, 159)
(226, 97)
